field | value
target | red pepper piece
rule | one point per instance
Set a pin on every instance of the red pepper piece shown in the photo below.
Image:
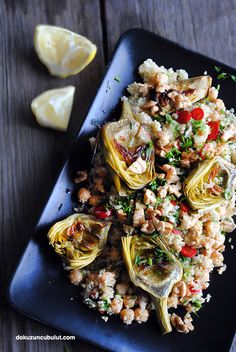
(188, 251)
(215, 129)
(101, 213)
(193, 290)
(184, 207)
(197, 114)
(183, 116)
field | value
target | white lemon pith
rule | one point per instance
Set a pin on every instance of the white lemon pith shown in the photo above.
(52, 108)
(64, 52)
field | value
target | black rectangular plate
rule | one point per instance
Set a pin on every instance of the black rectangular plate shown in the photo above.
(39, 287)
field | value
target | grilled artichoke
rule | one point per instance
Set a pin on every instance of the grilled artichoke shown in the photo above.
(129, 152)
(78, 239)
(211, 184)
(155, 269)
(195, 88)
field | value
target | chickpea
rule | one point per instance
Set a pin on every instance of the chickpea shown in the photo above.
(83, 195)
(76, 277)
(141, 315)
(122, 288)
(127, 315)
(116, 305)
(129, 301)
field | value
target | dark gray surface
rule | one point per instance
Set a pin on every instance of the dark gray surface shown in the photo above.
(31, 156)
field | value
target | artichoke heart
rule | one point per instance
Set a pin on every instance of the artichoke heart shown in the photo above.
(78, 239)
(211, 184)
(194, 88)
(155, 269)
(129, 152)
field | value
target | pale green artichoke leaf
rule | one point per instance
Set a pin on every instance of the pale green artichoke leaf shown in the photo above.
(79, 239)
(152, 267)
(200, 189)
(129, 152)
(195, 88)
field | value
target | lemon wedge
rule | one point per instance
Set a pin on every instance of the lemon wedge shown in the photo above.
(64, 53)
(52, 108)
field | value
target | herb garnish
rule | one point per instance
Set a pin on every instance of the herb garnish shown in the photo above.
(184, 259)
(153, 185)
(217, 69)
(173, 156)
(197, 125)
(161, 256)
(139, 261)
(106, 304)
(107, 206)
(159, 200)
(197, 304)
(125, 203)
(169, 119)
(224, 75)
(186, 142)
(117, 79)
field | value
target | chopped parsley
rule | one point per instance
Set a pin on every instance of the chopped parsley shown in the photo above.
(197, 125)
(107, 206)
(169, 119)
(224, 75)
(106, 304)
(217, 68)
(233, 77)
(139, 260)
(184, 259)
(159, 200)
(197, 304)
(153, 185)
(222, 112)
(126, 204)
(186, 142)
(161, 256)
(175, 215)
(173, 156)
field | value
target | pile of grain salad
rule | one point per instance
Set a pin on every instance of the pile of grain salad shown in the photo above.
(190, 132)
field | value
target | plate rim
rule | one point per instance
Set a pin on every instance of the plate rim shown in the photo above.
(123, 36)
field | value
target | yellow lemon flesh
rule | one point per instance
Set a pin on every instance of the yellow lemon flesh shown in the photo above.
(52, 108)
(63, 52)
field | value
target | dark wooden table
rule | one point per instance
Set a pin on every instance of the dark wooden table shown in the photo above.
(31, 156)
